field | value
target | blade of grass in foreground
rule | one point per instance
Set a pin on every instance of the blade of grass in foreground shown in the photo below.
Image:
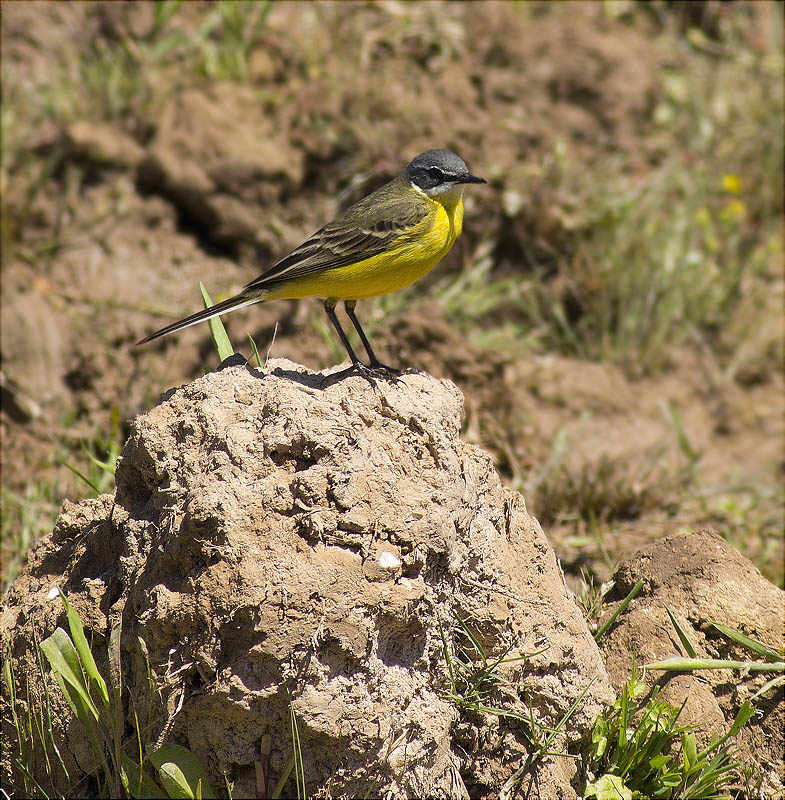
(180, 772)
(683, 638)
(773, 683)
(622, 606)
(255, 351)
(769, 653)
(679, 664)
(217, 330)
(86, 659)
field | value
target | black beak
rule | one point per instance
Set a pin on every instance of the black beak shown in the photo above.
(469, 178)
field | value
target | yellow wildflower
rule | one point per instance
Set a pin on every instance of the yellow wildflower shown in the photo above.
(731, 183)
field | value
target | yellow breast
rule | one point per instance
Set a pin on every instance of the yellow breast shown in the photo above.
(409, 257)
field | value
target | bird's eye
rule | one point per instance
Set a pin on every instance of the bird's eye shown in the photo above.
(435, 173)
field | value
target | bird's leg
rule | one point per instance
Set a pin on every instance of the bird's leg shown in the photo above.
(375, 363)
(357, 365)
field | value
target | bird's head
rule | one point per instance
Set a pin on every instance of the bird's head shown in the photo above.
(439, 172)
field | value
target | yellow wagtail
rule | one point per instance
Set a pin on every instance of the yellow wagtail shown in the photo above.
(383, 242)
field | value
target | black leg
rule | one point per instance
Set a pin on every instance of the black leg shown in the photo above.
(329, 307)
(375, 363)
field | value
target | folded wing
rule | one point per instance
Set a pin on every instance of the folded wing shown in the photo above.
(351, 238)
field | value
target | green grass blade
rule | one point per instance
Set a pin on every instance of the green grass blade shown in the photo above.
(67, 668)
(624, 706)
(690, 750)
(473, 640)
(81, 475)
(182, 774)
(299, 771)
(744, 715)
(283, 778)
(742, 718)
(47, 709)
(37, 723)
(140, 784)
(106, 466)
(685, 445)
(29, 776)
(774, 682)
(10, 682)
(633, 593)
(255, 351)
(164, 11)
(769, 653)
(27, 722)
(679, 664)
(685, 642)
(217, 330)
(64, 661)
(83, 649)
(568, 713)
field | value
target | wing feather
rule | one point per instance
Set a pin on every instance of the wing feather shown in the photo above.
(365, 230)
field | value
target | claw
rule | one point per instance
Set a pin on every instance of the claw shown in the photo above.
(372, 373)
(386, 371)
(379, 367)
(364, 371)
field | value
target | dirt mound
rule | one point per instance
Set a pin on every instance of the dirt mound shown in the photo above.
(702, 579)
(283, 534)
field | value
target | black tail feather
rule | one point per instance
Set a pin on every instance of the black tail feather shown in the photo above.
(238, 301)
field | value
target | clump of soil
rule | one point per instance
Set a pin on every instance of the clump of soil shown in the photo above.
(281, 536)
(701, 579)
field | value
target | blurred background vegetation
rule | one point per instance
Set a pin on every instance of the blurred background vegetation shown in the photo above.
(613, 313)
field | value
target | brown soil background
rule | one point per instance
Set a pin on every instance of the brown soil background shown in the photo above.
(129, 177)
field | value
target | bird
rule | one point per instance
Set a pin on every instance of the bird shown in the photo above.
(383, 242)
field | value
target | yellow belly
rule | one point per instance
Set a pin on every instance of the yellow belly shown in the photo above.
(408, 259)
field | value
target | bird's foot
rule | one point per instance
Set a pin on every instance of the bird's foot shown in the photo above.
(371, 372)
(377, 366)
(363, 370)
(374, 371)
(386, 371)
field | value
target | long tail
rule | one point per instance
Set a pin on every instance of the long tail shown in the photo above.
(238, 301)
